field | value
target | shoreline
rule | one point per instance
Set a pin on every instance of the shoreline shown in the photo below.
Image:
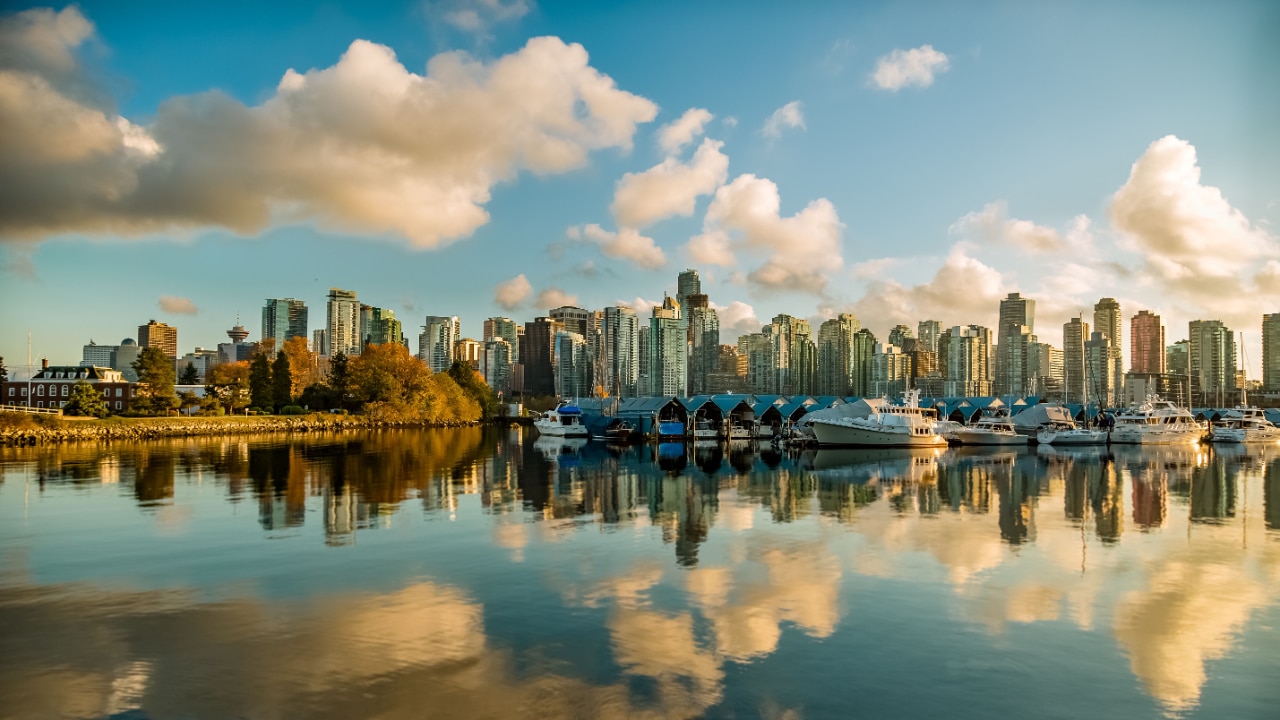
(124, 429)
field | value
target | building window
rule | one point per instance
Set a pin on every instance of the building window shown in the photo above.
(65, 388)
(39, 403)
(117, 404)
(117, 395)
(24, 392)
(11, 391)
(40, 391)
(62, 404)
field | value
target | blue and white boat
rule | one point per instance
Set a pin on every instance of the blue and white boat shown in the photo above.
(564, 421)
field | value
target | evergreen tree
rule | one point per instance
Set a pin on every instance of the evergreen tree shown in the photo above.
(4, 372)
(260, 391)
(85, 400)
(340, 378)
(155, 378)
(281, 382)
(189, 375)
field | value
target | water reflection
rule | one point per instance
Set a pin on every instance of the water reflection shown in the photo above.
(704, 558)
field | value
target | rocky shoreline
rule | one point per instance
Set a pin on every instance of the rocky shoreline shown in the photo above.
(148, 429)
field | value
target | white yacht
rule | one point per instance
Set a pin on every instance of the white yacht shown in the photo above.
(1244, 425)
(993, 428)
(876, 423)
(564, 421)
(1155, 422)
(704, 430)
(1069, 434)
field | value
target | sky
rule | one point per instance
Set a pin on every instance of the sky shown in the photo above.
(900, 161)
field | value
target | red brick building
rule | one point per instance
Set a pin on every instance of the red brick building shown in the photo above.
(51, 387)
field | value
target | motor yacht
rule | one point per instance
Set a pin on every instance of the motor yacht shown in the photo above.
(1244, 425)
(881, 424)
(1155, 422)
(564, 421)
(1069, 434)
(993, 428)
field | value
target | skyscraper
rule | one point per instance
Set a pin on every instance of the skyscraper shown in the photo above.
(898, 335)
(927, 332)
(379, 326)
(574, 319)
(1017, 324)
(507, 329)
(437, 341)
(890, 370)
(572, 365)
(1211, 360)
(835, 355)
(704, 343)
(620, 346)
(342, 331)
(688, 283)
(861, 363)
(1100, 380)
(536, 354)
(967, 350)
(1107, 320)
(668, 348)
(159, 335)
(1146, 343)
(1075, 334)
(284, 318)
(1271, 353)
(495, 363)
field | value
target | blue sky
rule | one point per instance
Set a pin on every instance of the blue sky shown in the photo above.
(1067, 151)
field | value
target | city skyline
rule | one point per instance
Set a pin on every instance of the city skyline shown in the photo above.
(898, 167)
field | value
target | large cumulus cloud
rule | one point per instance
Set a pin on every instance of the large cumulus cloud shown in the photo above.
(362, 146)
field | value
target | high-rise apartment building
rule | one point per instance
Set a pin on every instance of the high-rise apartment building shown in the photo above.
(159, 335)
(862, 363)
(282, 319)
(756, 350)
(574, 319)
(835, 355)
(898, 335)
(342, 328)
(668, 350)
(537, 351)
(1108, 321)
(1075, 334)
(927, 332)
(704, 343)
(495, 364)
(571, 364)
(1146, 343)
(967, 350)
(1099, 373)
(1211, 363)
(620, 350)
(1271, 353)
(1045, 362)
(468, 350)
(507, 329)
(379, 326)
(95, 355)
(794, 356)
(438, 341)
(1017, 324)
(890, 370)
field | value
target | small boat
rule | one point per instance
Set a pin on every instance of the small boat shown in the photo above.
(1244, 424)
(703, 430)
(564, 421)
(739, 432)
(620, 431)
(1068, 434)
(671, 429)
(993, 428)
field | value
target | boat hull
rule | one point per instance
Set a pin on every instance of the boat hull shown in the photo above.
(1125, 436)
(840, 435)
(1251, 435)
(554, 429)
(1072, 437)
(983, 437)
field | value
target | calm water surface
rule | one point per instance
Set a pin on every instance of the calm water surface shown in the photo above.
(481, 573)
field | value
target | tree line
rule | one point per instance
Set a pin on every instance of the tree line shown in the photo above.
(383, 381)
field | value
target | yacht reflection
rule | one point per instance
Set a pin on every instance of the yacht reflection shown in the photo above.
(564, 451)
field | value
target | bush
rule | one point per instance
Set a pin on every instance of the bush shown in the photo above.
(293, 410)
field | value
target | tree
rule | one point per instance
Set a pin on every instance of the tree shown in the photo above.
(281, 382)
(473, 384)
(303, 372)
(85, 400)
(340, 378)
(155, 382)
(229, 384)
(260, 394)
(187, 399)
(189, 376)
(4, 372)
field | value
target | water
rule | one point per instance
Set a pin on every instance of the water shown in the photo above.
(480, 573)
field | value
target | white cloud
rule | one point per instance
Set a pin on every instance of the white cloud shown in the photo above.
(737, 318)
(873, 269)
(642, 307)
(512, 293)
(787, 116)
(177, 305)
(626, 244)
(364, 146)
(992, 225)
(801, 249)
(963, 291)
(904, 68)
(477, 16)
(553, 297)
(730, 121)
(712, 248)
(673, 136)
(670, 187)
